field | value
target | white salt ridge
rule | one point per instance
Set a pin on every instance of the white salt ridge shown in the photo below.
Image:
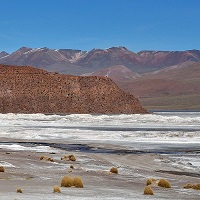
(174, 128)
(6, 164)
(17, 147)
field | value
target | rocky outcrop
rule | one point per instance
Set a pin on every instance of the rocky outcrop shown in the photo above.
(31, 90)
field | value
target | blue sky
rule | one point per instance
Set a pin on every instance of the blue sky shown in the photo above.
(87, 24)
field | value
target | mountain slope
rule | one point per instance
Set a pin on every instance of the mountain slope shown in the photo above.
(168, 87)
(3, 54)
(99, 58)
(31, 90)
(77, 62)
(117, 73)
(44, 58)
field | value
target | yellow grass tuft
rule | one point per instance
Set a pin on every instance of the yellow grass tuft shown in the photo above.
(50, 159)
(46, 158)
(2, 169)
(196, 186)
(72, 157)
(71, 166)
(67, 181)
(164, 183)
(56, 189)
(114, 170)
(150, 181)
(78, 182)
(70, 182)
(64, 158)
(148, 190)
(188, 186)
(42, 157)
(19, 190)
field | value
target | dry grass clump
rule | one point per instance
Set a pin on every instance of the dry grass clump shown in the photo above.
(70, 182)
(71, 166)
(67, 181)
(46, 158)
(19, 190)
(43, 157)
(64, 158)
(70, 157)
(2, 169)
(114, 170)
(78, 182)
(148, 191)
(196, 186)
(193, 186)
(164, 183)
(188, 186)
(56, 189)
(150, 181)
(50, 159)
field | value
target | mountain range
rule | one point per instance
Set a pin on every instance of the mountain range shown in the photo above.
(160, 79)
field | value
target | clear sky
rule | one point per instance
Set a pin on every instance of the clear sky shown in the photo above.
(87, 24)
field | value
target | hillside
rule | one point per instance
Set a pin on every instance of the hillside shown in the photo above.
(31, 90)
(150, 75)
(172, 88)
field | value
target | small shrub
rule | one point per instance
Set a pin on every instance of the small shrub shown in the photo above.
(46, 158)
(196, 186)
(56, 189)
(188, 186)
(148, 191)
(72, 157)
(114, 170)
(66, 181)
(50, 159)
(164, 183)
(19, 190)
(43, 158)
(71, 166)
(64, 158)
(150, 181)
(2, 169)
(78, 182)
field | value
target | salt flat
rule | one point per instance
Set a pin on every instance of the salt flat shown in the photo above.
(149, 152)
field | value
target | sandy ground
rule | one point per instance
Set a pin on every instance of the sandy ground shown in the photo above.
(36, 178)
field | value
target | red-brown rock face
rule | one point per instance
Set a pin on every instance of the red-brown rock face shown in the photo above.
(31, 90)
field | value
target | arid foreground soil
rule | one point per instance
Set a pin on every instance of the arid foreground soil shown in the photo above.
(36, 178)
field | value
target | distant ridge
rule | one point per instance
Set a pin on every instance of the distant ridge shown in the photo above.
(3, 54)
(78, 62)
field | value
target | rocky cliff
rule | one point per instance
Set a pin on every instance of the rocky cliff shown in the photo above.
(31, 90)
